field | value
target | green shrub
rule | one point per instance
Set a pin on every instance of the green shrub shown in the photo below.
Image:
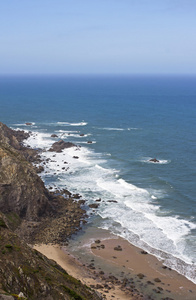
(8, 246)
(72, 293)
(2, 223)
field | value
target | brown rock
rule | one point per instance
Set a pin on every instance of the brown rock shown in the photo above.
(157, 280)
(118, 248)
(94, 205)
(54, 136)
(154, 160)
(97, 241)
(140, 275)
(113, 201)
(60, 145)
(144, 252)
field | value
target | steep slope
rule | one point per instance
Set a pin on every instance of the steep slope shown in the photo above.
(25, 270)
(29, 213)
(21, 190)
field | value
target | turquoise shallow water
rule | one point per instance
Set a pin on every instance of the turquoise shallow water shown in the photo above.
(129, 120)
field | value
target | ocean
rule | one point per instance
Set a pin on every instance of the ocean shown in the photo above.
(119, 123)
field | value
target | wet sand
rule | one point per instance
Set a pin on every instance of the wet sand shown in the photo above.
(76, 269)
(125, 273)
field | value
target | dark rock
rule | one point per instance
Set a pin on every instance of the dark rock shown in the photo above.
(144, 252)
(94, 205)
(118, 248)
(154, 160)
(66, 192)
(75, 157)
(89, 142)
(28, 123)
(39, 169)
(54, 136)
(102, 273)
(82, 134)
(113, 201)
(81, 202)
(150, 282)
(97, 241)
(98, 200)
(60, 145)
(76, 196)
(164, 267)
(140, 275)
(99, 286)
(157, 280)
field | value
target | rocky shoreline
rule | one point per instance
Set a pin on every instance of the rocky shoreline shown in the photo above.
(29, 214)
(34, 215)
(49, 217)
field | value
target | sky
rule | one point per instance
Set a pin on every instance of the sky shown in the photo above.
(98, 37)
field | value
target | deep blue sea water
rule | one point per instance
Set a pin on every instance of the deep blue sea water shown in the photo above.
(129, 120)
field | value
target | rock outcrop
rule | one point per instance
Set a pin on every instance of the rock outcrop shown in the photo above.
(21, 189)
(154, 160)
(30, 213)
(60, 145)
(24, 197)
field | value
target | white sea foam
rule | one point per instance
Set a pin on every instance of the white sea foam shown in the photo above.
(25, 124)
(134, 214)
(117, 129)
(132, 128)
(108, 128)
(72, 124)
(160, 161)
(39, 140)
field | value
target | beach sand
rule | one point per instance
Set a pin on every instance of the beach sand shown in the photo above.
(76, 269)
(121, 274)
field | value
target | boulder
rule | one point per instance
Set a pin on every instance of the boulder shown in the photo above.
(113, 201)
(154, 160)
(54, 136)
(94, 205)
(118, 248)
(39, 169)
(60, 145)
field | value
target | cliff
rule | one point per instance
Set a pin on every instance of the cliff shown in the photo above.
(21, 189)
(29, 213)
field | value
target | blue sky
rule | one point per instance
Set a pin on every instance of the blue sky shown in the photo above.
(97, 36)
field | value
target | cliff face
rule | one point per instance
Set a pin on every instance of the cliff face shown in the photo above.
(29, 213)
(21, 189)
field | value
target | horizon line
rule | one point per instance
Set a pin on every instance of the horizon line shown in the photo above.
(97, 74)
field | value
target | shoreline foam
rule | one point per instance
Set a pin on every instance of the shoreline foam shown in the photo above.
(133, 274)
(55, 167)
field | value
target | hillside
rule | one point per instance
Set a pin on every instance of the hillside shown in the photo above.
(30, 213)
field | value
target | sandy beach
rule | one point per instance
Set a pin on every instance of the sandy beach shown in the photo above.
(119, 270)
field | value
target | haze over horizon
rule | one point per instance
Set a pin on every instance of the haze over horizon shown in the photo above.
(93, 37)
